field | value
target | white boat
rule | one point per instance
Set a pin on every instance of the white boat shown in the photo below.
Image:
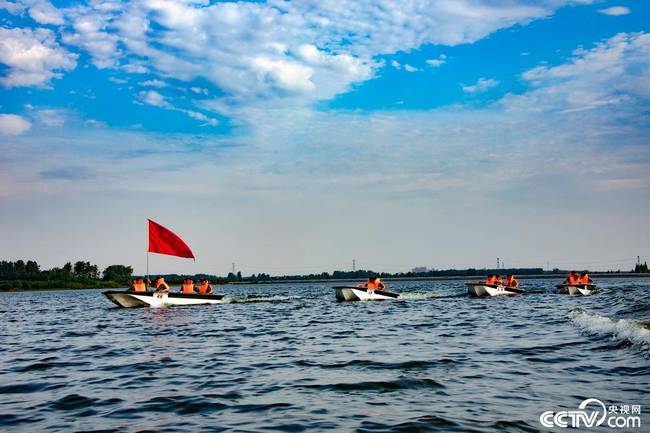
(130, 299)
(576, 289)
(348, 293)
(482, 289)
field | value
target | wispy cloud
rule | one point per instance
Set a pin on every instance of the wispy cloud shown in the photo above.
(153, 83)
(436, 63)
(615, 11)
(156, 99)
(66, 173)
(481, 85)
(51, 117)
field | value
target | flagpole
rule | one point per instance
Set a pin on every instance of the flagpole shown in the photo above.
(147, 253)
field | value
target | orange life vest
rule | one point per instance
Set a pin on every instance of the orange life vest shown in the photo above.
(161, 283)
(512, 282)
(585, 279)
(188, 288)
(372, 284)
(573, 280)
(498, 280)
(140, 287)
(203, 288)
(490, 280)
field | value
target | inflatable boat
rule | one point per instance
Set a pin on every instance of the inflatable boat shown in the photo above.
(130, 299)
(576, 289)
(482, 289)
(348, 293)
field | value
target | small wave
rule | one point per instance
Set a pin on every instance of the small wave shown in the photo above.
(364, 363)
(381, 386)
(418, 295)
(624, 329)
(261, 298)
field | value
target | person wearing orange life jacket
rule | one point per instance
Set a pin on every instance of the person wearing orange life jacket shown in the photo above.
(373, 284)
(188, 287)
(498, 280)
(512, 282)
(161, 286)
(205, 288)
(138, 285)
(572, 279)
(584, 278)
(490, 280)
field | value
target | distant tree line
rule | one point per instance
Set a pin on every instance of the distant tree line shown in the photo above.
(641, 268)
(21, 275)
(347, 275)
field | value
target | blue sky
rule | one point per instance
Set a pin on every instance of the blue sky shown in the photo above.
(294, 137)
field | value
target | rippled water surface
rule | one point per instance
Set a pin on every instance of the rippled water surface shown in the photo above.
(290, 358)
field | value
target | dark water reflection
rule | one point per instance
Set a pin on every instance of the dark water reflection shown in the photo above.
(289, 358)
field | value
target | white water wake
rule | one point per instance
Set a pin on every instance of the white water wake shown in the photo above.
(418, 295)
(623, 329)
(260, 298)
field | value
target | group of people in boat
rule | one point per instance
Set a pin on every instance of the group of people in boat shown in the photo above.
(373, 284)
(497, 280)
(188, 287)
(576, 278)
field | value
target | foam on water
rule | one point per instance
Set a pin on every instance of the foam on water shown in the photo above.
(622, 329)
(260, 298)
(418, 295)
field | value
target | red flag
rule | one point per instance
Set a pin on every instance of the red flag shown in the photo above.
(164, 241)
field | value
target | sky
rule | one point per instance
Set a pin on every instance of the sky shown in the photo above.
(296, 137)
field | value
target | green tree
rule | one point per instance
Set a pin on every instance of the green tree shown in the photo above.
(118, 273)
(32, 268)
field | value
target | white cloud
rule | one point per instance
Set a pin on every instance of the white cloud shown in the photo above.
(153, 83)
(297, 51)
(51, 117)
(151, 97)
(11, 7)
(90, 31)
(202, 117)
(395, 64)
(154, 98)
(481, 85)
(12, 124)
(33, 57)
(614, 72)
(117, 80)
(436, 63)
(43, 12)
(199, 90)
(409, 68)
(615, 11)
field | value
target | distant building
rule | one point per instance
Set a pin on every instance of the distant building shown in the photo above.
(419, 269)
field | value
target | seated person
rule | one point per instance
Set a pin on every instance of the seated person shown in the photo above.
(490, 280)
(498, 280)
(585, 278)
(512, 282)
(572, 279)
(188, 287)
(161, 286)
(138, 285)
(205, 288)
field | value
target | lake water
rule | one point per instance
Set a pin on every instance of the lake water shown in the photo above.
(290, 358)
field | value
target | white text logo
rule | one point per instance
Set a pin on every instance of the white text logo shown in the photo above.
(592, 413)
